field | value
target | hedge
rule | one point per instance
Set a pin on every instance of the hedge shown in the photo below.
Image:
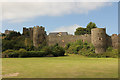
(53, 50)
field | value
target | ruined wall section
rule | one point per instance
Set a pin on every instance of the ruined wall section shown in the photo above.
(64, 39)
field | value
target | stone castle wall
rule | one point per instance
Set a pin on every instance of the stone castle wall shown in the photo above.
(98, 38)
(64, 39)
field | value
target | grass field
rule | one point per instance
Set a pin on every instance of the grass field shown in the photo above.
(72, 66)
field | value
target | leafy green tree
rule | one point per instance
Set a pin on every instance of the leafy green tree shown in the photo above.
(80, 31)
(90, 26)
(12, 35)
(87, 30)
(14, 44)
(3, 35)
(6, 44)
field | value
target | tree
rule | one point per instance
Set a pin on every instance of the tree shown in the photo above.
(90, 26)
(80, 31)
(87, 30)
(12, 35)
(14, 43)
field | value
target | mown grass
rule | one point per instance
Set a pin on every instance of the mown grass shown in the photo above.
(72, 66)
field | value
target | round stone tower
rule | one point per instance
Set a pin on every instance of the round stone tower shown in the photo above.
(39, 35)
(98, 39)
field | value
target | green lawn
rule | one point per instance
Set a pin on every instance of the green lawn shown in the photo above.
(72, 66)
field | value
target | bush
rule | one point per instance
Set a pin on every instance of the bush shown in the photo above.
(22, 53)
(7, 53)
(36, 54)
(14, 54)
(45, 51)
(110, 53)
(109, 49)
(58, 51)
(44, 43)
(87, 49)
(71, 50)
(67, 46)
(80, 47)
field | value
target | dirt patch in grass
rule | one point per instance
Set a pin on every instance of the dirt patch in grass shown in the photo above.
(10, 75)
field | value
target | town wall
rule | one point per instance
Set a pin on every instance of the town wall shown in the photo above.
(98, 38)
(64, 39)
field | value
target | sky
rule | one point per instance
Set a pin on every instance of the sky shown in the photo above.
(60, 16)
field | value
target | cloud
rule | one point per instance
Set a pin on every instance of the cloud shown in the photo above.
(69, 29)
(20, 12)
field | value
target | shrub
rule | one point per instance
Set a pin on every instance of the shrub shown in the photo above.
(52, 50)
(14, 54)
(108, 54)
(71, 50)
(58, 51)
(36, 54)
(47, 50)
(113, 53)
(109, 49)
(67, 46)
(44, 43)
(56, 45)
(7, 53)
(78, 42)
(80, 47)
(22, 53)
